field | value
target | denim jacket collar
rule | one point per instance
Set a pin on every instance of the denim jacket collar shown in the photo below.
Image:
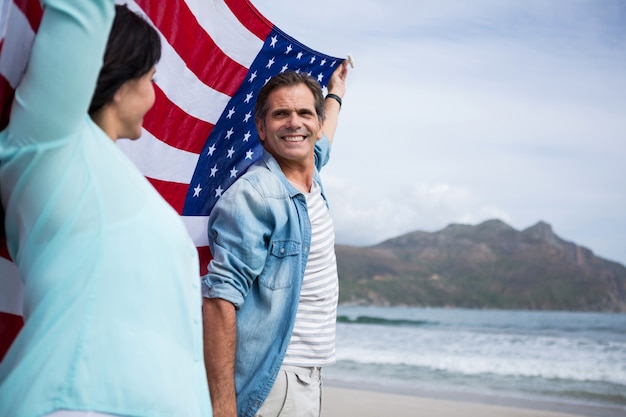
(272, 164)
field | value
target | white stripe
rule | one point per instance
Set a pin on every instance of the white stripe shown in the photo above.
(166, 163)
(184, 89)
(227, 32)
(197, 229)
(11, 288)
(17, 44)
(313, 338)
(181, 85)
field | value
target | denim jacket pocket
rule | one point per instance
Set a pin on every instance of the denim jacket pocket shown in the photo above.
(282, 264)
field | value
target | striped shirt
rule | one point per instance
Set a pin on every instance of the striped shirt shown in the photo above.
(313, 339)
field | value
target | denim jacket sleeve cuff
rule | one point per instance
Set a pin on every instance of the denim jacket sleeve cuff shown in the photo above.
(225, 292)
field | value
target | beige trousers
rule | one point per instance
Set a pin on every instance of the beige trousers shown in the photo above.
(297, 392)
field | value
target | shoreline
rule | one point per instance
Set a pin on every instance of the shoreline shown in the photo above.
(344, 399)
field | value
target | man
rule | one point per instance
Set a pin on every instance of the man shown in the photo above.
(271, 291)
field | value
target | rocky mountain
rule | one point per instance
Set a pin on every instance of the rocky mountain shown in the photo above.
(490, 265)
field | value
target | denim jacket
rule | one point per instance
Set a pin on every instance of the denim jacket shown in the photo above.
(259, 236)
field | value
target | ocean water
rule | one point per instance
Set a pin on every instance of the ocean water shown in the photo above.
(566, 361)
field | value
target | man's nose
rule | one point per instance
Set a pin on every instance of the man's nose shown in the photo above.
(294, 120)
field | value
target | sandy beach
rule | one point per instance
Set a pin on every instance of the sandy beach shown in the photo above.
(344, 402)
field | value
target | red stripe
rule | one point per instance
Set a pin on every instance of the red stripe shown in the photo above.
(6, 98)
(250, 18)
(10, 326)
(171, 125)
(204, 253)
(32, 10)
(179, 26)
(4, 251)
(173, 192)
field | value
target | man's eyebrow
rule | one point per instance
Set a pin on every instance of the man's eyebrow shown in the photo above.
(302, 110)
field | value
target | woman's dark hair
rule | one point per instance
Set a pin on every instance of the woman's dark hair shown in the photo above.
(133, 48)
(289, 79)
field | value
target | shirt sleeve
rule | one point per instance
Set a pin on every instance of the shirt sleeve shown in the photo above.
(240, 229)
(322, 152)
(53, 97)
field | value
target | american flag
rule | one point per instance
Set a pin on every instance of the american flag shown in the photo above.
(200, 135)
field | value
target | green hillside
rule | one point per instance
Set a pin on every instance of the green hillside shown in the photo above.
(490, 265)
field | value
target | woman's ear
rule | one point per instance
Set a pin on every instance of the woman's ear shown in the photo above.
(119, 94)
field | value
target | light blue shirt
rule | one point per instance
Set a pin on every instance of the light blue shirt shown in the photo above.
(112, 301)
(259, 235)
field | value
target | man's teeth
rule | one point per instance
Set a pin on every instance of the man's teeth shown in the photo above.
(294, 138)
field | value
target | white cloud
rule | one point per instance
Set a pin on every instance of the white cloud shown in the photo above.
(365, 216)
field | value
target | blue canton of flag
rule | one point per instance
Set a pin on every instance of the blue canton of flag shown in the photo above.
(233, 144)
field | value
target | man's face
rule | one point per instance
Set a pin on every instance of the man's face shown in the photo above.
(291, 127)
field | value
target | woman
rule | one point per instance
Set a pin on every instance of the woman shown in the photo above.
(112, 305)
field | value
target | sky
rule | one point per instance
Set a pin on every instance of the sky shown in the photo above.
(462, 111)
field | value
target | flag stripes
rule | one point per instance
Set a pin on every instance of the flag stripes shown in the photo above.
(216, 54)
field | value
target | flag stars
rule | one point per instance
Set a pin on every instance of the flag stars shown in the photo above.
(225, 163)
